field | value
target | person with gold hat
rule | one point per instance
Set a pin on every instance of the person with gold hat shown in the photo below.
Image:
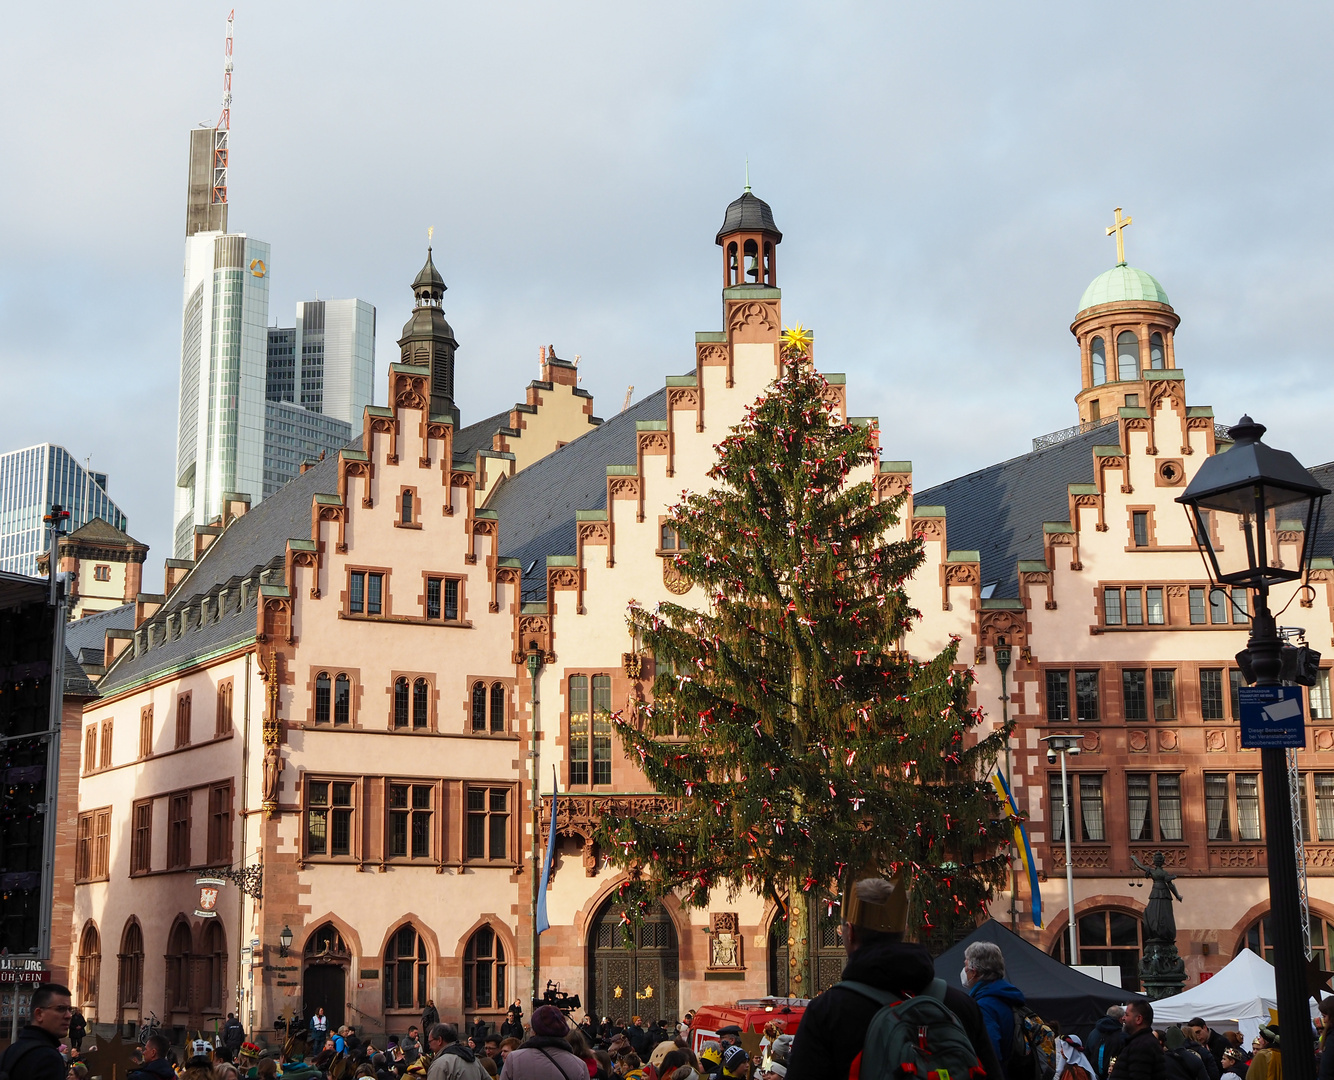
(833, 1029)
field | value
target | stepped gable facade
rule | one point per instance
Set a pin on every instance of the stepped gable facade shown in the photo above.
(335, 689)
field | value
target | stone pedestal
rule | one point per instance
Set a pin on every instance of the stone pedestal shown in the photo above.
(1161, 970)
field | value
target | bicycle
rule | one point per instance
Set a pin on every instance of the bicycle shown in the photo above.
(149, 1028)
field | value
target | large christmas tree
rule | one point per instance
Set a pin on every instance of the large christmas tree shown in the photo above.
(805, 743)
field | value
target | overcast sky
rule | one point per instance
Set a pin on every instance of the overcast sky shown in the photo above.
(942, 174)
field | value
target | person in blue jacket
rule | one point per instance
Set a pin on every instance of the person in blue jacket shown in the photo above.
(984, 978)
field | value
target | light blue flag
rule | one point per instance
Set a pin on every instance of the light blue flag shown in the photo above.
(543, 923)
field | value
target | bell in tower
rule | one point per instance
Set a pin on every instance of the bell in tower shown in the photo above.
(749, 239)
(428, 340)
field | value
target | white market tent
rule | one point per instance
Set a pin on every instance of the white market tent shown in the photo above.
(1238, 998)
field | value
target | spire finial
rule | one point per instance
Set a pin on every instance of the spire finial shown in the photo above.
(1118, 228)
(430, 232)
(747, 172)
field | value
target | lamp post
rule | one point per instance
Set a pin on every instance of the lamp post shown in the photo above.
(534, 664)
(1003, 664)
(1066, 745)
(284, 941)
(1252, 481)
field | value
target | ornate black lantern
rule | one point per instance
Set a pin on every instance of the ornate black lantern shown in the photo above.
(1251, 481)
(284, 941)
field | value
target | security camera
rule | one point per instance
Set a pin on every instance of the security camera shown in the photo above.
(1072, 750)
(1051, 756)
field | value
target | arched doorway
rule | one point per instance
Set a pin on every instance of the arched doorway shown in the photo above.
(827, 958)
(324, 980)
(633, 971)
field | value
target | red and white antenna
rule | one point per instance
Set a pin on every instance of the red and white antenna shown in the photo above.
(224, 126)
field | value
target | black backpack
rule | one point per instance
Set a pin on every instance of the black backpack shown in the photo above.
(9, 1061)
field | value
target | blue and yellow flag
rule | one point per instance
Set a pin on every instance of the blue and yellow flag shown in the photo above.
(1021, 843)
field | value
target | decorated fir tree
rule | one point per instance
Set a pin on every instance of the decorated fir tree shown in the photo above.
(805, 744)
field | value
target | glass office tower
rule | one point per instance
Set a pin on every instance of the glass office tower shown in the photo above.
(30, 481)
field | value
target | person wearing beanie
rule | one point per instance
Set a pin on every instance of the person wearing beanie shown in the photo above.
(1182, 1062)
(1267, 1062)
(736, 1063)
(545, 1054)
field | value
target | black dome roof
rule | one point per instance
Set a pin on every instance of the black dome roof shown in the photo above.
(748, 214)
(429, 277)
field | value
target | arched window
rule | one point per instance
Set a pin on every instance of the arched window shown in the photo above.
(405, 970)
(1157, 358)
(479, 707)
(213, 970)
(731, 263)
(497, 708)
(90, 968)
(1127, 356)
(1109, 938)
(752, 256)
(342, 700)
(401, 703)
(421, 704)
(406, 515)
(178, 968)
(1259, 938)
(322, 698)
(130, 981)
(326, 942)
(484, 971)
(1098, 353)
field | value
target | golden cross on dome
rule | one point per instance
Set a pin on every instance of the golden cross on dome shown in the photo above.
(1119, 228)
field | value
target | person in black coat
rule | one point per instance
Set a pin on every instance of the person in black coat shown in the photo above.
(1141, 1055)
(35, 1054)
(833, 1028)
(1201, 1033)
(1181, 1062)
(1105, 1040)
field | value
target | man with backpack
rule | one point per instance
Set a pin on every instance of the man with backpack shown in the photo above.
(35, 1054)
(1141, 1057)
(846, 1023)
(1181, 1062)
(1105, 1040)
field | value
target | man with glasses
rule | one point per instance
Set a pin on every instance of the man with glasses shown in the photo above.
(35, 1055)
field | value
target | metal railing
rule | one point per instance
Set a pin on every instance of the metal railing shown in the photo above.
(1066, 434)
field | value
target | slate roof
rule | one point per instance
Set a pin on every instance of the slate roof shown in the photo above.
(250, 544)
(1324, 533)
(474, 437)
(998, 511)
(89, 633)
(537, 506)
(750, 213)
(96, 530)
(77, 683)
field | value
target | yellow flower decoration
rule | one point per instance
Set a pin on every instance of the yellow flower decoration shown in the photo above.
(797, 337)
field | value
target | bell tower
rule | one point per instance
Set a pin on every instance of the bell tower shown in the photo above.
(428, 340)
(749, 239)
(1124, 328)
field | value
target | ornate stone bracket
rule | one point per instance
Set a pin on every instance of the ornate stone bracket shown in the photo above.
(249, 879)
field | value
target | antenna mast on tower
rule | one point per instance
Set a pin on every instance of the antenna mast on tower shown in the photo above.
(223, 128)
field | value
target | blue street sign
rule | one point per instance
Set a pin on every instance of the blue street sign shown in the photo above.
(1272, 716)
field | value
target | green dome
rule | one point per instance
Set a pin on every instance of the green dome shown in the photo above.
(1122, 283)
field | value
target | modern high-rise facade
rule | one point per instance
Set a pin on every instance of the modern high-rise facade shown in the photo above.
(224, 366)
(31, 480)
(320, 374)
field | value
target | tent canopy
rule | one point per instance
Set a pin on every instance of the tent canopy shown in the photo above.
(1052, 990)
(1238, 998)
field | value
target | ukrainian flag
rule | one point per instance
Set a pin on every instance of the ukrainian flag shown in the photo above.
(1021, 843)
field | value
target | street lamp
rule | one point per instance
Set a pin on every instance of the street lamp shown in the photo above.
(284, 941)
(1003, 663)
(1065, 745)
(1253, 481)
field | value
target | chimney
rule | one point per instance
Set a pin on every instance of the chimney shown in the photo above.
(234, 505)
(175, 571)
(204, 537)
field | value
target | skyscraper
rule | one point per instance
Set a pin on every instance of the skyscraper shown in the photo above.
(224, 362)
(320, 374)
(31, 480)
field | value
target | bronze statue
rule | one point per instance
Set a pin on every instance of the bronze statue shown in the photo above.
(1159, 922)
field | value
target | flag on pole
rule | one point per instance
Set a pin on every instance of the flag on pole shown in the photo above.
(1021, 844)
(543, 923)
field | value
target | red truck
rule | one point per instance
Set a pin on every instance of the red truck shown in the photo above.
(750, 1016)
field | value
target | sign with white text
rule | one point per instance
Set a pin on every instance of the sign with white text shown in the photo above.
(1272, 716)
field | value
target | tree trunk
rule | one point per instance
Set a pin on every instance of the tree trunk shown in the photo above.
(800, 983)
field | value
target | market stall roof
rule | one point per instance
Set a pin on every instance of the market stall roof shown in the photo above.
(1055, 992)
(1238, 998)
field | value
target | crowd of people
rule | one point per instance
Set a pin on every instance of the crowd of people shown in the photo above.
(889, 1017)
